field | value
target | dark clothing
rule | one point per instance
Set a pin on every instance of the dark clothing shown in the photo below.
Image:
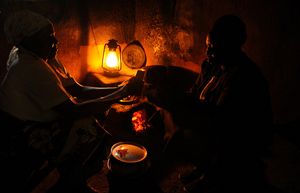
(224, 123)
(228, 123)
(238, 100)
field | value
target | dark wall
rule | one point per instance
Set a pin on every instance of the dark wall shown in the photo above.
(173, 33)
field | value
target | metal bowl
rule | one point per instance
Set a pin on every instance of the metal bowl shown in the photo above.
(128, 159)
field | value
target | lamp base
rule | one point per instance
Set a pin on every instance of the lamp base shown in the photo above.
(111, 74)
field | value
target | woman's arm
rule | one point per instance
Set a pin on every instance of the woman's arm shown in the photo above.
(87, 92)
(70, 108)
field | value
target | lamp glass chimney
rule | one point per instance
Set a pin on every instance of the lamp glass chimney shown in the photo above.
(112, 57)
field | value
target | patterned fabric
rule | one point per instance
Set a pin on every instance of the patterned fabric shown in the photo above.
(56, 141)
(23, 24)
(64, 139)
(76, 147)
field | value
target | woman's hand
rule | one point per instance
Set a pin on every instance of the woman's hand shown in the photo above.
(133, 86)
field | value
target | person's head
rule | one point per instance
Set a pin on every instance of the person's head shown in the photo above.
(226, 37)
(33, 32)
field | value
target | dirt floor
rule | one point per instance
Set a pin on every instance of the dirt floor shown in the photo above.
(166, 177)
(283, 172)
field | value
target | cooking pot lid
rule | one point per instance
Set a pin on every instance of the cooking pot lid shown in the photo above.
(129, 152)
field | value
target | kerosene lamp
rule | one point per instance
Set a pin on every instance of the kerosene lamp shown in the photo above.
(111, 62)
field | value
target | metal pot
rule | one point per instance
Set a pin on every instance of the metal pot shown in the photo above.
(128, 159)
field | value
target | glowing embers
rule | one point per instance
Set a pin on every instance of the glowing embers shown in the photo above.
(140, 122)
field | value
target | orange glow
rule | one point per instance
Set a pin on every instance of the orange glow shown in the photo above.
(91, 57)
(112, 60)
(112, 57)
(139, 120)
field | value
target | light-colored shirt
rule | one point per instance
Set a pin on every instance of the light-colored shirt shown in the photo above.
(31, 88)
(62, 73)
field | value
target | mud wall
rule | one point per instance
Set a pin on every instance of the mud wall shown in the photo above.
(173, 32)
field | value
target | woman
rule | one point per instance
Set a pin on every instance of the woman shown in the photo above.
(39, 99)
(224, 123)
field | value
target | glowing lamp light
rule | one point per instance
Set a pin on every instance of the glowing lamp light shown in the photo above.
(112, 57)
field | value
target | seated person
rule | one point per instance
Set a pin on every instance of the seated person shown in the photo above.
(224, 122)
(39, 102)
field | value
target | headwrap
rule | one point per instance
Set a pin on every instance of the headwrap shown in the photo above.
(229, 29)
(23, 24)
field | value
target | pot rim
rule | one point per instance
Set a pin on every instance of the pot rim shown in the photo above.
(128, 143)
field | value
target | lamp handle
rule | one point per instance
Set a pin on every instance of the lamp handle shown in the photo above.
(120, 60)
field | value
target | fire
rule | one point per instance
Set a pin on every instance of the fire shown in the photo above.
(139, 120)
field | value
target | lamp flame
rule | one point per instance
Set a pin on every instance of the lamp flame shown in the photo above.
(112, 60)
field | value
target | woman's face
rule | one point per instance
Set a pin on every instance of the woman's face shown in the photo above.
(46, 46)
(218, 53)
(214, 51)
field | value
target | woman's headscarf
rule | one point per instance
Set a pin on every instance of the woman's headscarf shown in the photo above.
(23, 24)
(20, 25)
(230, 30)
